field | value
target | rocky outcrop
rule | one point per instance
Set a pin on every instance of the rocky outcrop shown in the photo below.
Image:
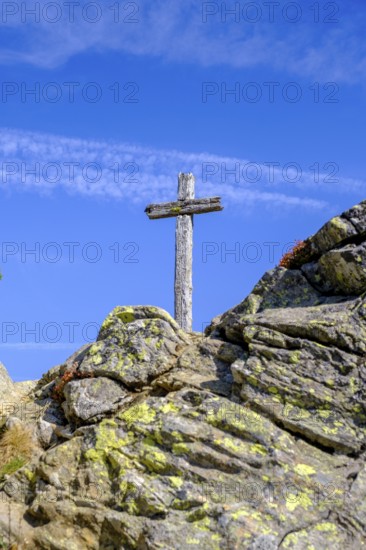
(250, 436)
(7, 388)
(304, 330)
(12, 393)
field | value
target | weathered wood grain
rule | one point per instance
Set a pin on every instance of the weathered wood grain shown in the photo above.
(183, 207)
(183, 256)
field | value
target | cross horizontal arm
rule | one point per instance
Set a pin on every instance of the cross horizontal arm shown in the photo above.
(184, 207)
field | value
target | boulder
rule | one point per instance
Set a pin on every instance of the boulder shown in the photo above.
(92, 397)
(134, 346)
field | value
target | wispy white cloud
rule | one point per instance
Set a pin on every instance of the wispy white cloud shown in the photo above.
(177, 30)
(42, 163)
(31, 346)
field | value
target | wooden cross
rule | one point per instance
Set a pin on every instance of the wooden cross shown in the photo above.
(183, 210)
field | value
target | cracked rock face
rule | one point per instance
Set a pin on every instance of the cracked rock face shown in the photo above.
(252, 436)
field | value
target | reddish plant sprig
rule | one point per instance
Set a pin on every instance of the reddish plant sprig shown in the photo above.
(292, 255)
(70, 374)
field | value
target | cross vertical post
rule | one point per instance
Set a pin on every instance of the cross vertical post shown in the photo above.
(184, 209)
(184, 257)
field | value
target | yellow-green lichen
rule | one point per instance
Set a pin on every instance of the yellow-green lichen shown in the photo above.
(299, 499)
(169, 407)
(191, 540)
(180, 448)
(155, 460)
(304, 470)
(353, 385)
(106, 440)
(295, 357)
(175, 481)
(327, 527)
(230, 445)
(31, 476)
(126, 316)
(95, 348)
(178, 437)
(141, 413)
(258, 449)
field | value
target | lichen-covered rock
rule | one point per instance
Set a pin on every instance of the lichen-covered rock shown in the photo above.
(344, 269)
(250, 437)
(134, 346)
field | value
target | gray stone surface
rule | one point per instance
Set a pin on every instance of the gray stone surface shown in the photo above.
(92, 397)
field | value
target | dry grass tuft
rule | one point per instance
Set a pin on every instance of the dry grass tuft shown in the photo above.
(16, 448)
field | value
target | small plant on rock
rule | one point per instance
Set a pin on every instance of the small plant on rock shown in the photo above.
(70, 374)
(291, 257)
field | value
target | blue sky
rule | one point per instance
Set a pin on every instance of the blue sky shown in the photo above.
(266, 106)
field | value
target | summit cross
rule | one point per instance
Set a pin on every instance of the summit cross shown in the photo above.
(183, 209)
